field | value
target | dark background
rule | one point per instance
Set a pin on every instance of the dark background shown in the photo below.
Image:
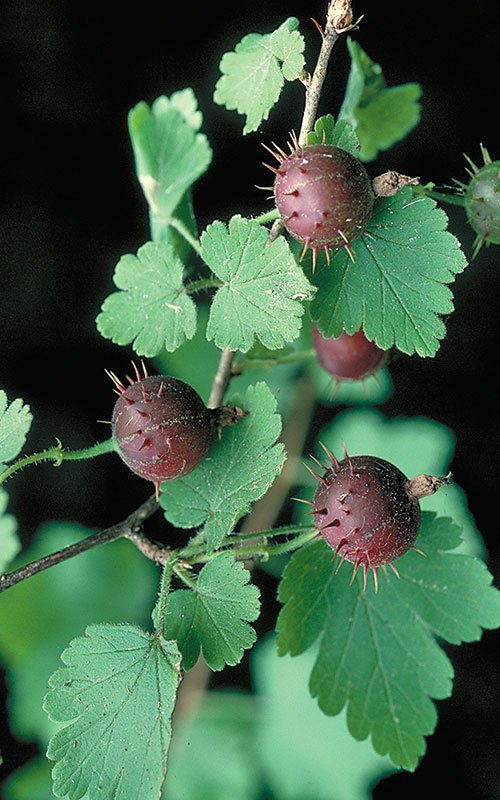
(71, 207)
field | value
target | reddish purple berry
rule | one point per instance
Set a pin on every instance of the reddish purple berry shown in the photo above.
(324, 196)
(368, 512)
(349, 357)
(161, 427)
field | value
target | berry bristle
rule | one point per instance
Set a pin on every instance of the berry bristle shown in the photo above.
(117, 382)
(273, 169)
(318, 462)
(301, 500)
(315, 475)
(279, 158)
(333, 460)
(391, 565)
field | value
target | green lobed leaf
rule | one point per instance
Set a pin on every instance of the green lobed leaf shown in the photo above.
(253, 74)
(214, 616)
(222, 735)
(396, 285)
(117, 691)
(170, 153)
(152, 309)
(340, 134)
(15, 422)
(238, 470)
(377, 653)
(380, 116)
(10, 544)
(264, 289)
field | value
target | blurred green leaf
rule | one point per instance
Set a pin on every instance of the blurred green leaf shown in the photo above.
(39, 615)
(214, 616)
(304, 753)
(253, 74)
(10, 544)
(32, 781)
(117, 691)
(238, 470)
(380, 116)
(213, 754)
(277, 739)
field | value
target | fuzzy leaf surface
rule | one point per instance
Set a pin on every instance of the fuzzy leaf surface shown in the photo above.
(151, 309)
(254, 73)
(380, 115)
(10, 544)
(238, 470)
(214, 617)
(170, 153)
(264, 289)
(15, 422)
(378, 653)
(396, 285)
(117, 691)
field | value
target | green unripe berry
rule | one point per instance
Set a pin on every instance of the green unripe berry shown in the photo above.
(482, 202)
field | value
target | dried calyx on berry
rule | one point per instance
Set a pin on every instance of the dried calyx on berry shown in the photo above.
(162, 428)
(368, 512)
(324, 196)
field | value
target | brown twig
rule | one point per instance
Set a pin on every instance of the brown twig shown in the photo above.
(130, 528)
(222, 378)
(315, 84)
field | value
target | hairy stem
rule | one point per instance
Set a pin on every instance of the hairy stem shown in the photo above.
(130, 528)
(267, 550)
(197, 553)
(166, 578)
(267, 216)
(58, 455)
(203, 283)
(443, 197)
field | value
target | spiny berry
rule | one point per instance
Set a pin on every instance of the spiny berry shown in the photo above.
(482, 201)
(161, 427)
(324, 196)
(349, 357)
(368, 512)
